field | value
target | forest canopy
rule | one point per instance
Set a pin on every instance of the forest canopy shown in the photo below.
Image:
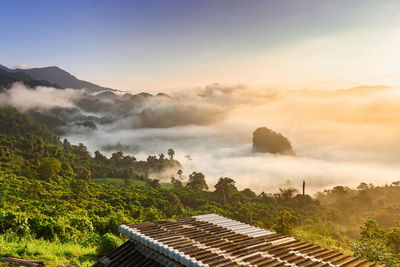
(59, 196)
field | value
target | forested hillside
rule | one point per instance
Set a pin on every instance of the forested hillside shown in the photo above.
(53, 209)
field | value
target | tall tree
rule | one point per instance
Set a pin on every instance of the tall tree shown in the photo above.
(225, 188)
(171, 153)
(197, 181)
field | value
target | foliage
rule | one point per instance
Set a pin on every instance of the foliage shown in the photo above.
(107, 243)
(285, 222)
(57, 195)
(375, 243)
(371, 230)
(225, 189)
(392, 237)
(49, 168)
(197, 181)
(374, 251)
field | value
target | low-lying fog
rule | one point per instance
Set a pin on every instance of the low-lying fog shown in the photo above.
(341, 137)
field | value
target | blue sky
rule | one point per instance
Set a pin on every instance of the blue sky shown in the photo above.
(161, 45)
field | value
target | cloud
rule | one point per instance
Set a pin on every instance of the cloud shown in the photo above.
(40, 98)
(340, 136)
(24, 66)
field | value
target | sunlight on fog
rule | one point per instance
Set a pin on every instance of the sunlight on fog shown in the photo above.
(340, 137)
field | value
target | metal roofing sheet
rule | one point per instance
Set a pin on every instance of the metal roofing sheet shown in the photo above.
(212, 240)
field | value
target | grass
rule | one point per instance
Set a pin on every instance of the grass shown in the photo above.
(117, 181)
(166, 185)
(134, 182)
(55, 252)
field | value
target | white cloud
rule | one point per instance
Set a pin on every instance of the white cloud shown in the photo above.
(24, 66)
(42, 98)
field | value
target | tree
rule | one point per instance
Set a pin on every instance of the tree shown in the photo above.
(285, 222)
(180, 173)
(117, 157)
(248, 193)
(287, 193)
(99, 157)
(155, 183)
(225, 188)
(85, 174)
(363, 186)
(374, 244)
(171, 153)
(393, 237)
(396, 183)
(67, 145)
(197, 181)
(340, 191)
(174, 206)
(82, 151)
(374, 251)
(176, 183)
(49, 168)
(372, 230)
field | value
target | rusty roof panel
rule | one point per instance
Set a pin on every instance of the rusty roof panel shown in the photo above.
(213, 240)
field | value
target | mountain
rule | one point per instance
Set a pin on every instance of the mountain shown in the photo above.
(4, 68)
(61, 77)
(9, 76)
(48, 76)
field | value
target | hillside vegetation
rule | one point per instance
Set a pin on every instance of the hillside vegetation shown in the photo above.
(61, 204)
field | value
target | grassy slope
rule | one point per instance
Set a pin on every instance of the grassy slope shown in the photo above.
(54, 252)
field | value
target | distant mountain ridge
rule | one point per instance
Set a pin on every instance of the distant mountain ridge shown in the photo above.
(61, 77)
(9, 76)
(48, 76)
(99, 105)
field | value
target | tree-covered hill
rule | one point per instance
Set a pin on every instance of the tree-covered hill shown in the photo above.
(268, 141)
(51, 209)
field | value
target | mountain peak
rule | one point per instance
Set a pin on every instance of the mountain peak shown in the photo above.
(2, 67)
(56, 75)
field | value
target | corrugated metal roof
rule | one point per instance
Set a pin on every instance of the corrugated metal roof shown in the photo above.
(134, 254)
(213, 240)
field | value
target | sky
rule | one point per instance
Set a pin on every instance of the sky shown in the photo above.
(230, 67)
(168, 45)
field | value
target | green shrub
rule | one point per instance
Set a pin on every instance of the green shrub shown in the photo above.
(107, 243)
(374, 251)
(14, 222)
(44, 227)
(82, 224)
(91, 241)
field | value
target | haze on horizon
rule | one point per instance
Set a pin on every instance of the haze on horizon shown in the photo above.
(166, 46)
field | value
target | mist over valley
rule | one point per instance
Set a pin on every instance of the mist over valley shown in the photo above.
(342, 136)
